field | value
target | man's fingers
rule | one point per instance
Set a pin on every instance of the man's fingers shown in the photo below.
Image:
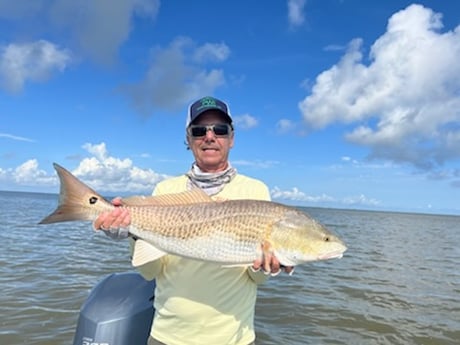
(125, 218)
(275, 265)
(288, 269)
(257, 264)
(113, 219)
(98, 223)
(267, 262)
(118, 218)
(117, 201)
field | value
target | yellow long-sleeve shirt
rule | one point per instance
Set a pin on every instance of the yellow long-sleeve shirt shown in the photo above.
(203, 303)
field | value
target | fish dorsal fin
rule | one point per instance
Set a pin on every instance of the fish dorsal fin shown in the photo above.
(144, 252)
(190, 197)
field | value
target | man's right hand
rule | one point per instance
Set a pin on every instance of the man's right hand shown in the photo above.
(113, 221)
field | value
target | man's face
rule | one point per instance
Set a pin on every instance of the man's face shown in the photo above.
(211, 150)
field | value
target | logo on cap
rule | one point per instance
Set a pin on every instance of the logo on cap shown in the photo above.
(209, 102)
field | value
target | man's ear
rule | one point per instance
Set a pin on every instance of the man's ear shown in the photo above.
(232, 139)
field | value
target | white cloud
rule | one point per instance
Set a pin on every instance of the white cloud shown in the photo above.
(173, 79)
(101, 171)
(285, 126)
(245, 121)
(28, 173)
(110, 174)
(15, 137)
(35, 61)
(295, 12)
(98, 28)
(360, 200)
(211, 52)
(404, 104)
(296, 195)
(333, 48)
(256, 163)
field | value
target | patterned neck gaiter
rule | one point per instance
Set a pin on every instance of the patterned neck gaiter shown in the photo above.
(210, 183)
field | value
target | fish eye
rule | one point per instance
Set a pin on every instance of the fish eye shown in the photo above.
(326, 239)
(92, 200)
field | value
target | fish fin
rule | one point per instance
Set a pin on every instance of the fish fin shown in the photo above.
(184, 198)
(284, 261)
(138, 200)
(144, 252)
(77, 201)
(219, 199)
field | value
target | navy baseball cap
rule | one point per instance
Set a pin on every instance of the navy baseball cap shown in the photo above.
(207, 103)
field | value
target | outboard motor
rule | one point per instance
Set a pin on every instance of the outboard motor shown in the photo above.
(118, 311)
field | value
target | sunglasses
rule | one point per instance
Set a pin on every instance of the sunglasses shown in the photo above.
(219, 129)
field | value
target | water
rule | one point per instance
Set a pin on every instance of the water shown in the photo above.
(398, 283)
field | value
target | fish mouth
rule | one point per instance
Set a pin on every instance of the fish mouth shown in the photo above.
(331, 255)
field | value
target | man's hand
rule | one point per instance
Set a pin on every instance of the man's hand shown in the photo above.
(113, 220)
(269, 263)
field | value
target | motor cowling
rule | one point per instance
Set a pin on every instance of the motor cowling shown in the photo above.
(118, 311)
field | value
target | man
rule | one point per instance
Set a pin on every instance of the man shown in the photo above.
(200, 302)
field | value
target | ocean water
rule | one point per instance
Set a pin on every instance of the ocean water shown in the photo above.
(398, 283)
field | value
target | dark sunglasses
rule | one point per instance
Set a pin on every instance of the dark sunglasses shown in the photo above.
(219, 129)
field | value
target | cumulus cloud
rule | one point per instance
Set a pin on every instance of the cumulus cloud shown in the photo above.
(29, 174)
(214, 52)
(102, 171)
(297, 196)
(97, 28)
(360, 200)
(245, 121)
(110, 174)
(34, 61)
(404, 104)
(176, 76)
(296, 13)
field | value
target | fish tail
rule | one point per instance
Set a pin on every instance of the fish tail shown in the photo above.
(77, 201)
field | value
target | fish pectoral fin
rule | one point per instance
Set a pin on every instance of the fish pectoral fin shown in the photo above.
(284, 260)
(144, 252)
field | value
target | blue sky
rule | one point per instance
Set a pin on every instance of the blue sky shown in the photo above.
(337, 103)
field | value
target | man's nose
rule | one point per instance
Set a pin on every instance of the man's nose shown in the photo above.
(210, 133)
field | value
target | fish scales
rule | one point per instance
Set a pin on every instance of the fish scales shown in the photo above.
(239, 218)
(197, 229)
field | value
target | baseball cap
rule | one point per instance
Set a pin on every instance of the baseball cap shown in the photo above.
(207, 103)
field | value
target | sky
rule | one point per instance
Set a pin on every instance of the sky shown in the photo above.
(337, 103)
